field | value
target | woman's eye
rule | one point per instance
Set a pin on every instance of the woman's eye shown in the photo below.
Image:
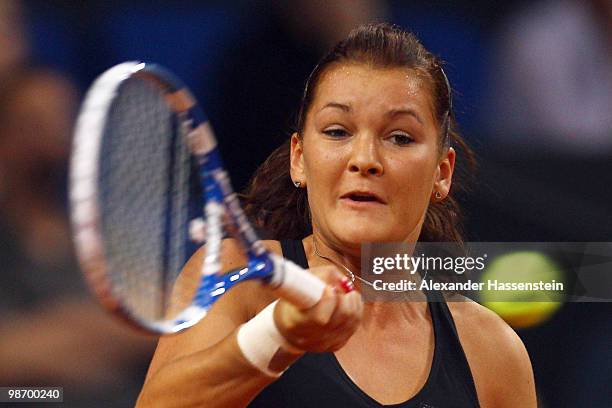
(336, 132)
(401, 139)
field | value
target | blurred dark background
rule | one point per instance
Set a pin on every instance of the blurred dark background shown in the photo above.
(532, 83)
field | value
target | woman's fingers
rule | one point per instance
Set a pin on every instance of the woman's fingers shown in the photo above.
(327, 325)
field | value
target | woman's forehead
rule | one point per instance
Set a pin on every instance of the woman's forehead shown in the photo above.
(361, 84)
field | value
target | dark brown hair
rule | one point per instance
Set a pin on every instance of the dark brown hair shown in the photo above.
(282, 210)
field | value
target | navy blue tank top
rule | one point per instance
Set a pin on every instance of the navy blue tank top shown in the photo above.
(317, 379)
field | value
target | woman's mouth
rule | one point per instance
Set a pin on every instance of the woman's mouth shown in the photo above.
(361, 199)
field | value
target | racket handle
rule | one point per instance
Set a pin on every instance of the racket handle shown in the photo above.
(295, 284)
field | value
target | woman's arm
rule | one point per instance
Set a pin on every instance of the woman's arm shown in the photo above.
(517, 385)
(189, 370)
(204, 366)
(497, 357)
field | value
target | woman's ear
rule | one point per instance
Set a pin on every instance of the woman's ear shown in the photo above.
(444, 175)
(297, 161)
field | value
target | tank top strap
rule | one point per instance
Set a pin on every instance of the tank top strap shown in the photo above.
(456, 370)
(442, 312)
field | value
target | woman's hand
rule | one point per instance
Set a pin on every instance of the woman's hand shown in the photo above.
(329, 324)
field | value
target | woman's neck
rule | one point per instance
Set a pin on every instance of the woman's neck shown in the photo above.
(349, 258)
(381, 314)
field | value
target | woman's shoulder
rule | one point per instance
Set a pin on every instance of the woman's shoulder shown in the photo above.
(237, 306)
(496, 354)
(252, 295)
(483, 326)
(233, 256)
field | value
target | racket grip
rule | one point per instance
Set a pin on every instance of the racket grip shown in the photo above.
(295, 284)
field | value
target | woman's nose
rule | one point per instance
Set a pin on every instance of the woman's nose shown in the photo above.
(365, 158)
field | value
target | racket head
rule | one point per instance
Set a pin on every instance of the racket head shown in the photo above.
(144, 166)
(133, 190)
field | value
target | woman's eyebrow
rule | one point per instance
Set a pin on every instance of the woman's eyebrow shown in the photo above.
(391, 114)
(336, 105)
(404, 111)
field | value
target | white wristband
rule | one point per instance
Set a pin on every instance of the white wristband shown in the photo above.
(259, 340)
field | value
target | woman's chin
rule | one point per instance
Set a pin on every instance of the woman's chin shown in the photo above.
(353, 234)
(358, 234)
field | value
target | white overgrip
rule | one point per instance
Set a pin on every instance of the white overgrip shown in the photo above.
(296, 284)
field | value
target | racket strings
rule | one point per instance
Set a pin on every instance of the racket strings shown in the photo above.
(144, 180)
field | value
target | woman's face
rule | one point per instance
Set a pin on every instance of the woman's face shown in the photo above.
(370, 156)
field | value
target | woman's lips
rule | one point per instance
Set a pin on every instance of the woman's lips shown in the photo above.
(362, 197)
(361, 202)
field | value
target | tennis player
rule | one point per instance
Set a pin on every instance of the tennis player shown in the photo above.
(372, 160)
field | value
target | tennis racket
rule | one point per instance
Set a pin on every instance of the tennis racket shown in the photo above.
(147, 188)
